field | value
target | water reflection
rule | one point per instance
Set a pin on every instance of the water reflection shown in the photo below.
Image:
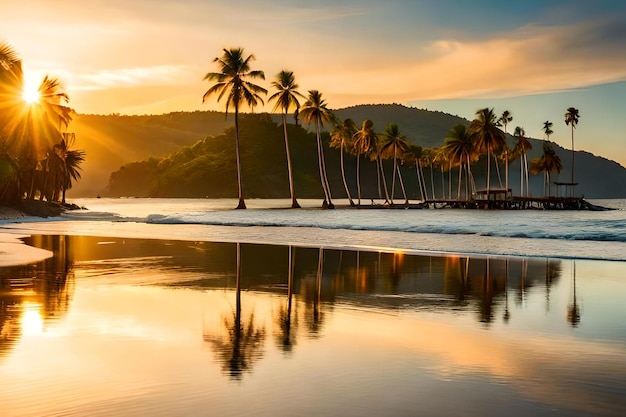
(242, 343)
(33, 296)
(308, 282)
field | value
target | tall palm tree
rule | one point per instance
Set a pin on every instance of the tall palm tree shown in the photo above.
(286, 97)
(232, 81)
(547, 129)
(341, 137)
(504, 120)
(487, 137)
(547, 163)
(522, 146)
(571, 118)
(314, 110)
(377, 156)
(459, 148)
(395, 145)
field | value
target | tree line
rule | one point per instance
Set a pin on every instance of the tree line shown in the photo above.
(463, 147)
(38, 158)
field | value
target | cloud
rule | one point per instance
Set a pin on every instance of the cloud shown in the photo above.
(533, 59)
(163, 75)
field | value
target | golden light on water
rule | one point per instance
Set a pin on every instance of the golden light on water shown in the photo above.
(32, 322)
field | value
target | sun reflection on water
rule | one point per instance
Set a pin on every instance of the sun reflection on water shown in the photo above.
(32, 322)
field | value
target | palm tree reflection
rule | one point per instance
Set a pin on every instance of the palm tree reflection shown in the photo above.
(287, 338)
(32, 296)
(316, 316)
(573, 309)
(242, 344)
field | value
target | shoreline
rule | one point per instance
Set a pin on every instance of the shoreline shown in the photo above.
(473, 245)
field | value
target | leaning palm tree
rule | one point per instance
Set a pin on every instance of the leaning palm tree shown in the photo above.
(522, 146)
(231, 80)
(364, 144)
(314, 110)
(394, 145)
(286, 97)
(547, 129)
(341, 137)
(487, 137)
(571, 118)
(504, 120)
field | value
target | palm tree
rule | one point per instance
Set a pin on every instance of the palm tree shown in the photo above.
(232, 81)
(459, 148)
(413, 157)
(571, 118)
(315, 111)
(487, 137)
(287, 97)
(72, 161)
(549, 162)
(395, 145)
(428, 158)
(364, 144)
(547, 129)
(504, 120)
(377, 156)
(341, 137)
(522, 146)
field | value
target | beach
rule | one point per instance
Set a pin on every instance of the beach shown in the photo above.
(176, 307)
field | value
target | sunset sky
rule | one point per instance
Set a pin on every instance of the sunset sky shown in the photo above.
(534, 58)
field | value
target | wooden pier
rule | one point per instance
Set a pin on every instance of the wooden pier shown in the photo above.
(516, 203)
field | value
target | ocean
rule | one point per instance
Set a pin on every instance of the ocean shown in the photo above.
(537, 233)
(160, 307)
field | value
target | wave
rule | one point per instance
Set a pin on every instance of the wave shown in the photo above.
(595, 230)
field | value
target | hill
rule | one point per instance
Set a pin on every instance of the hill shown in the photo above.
(190, 154)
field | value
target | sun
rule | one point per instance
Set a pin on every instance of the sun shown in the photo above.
(30, 94)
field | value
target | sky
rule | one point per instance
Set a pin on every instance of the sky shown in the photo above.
(534, 58)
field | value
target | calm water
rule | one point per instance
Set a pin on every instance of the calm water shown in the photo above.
(310, 312)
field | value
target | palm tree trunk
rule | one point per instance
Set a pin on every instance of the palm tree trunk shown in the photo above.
(294, 202)
(443, 183)
(330, 198)
(521, 175)
(320, 164)
(458, 193)
(420, 180)
(384, 180)
(488, 171)
(242, 203)
(526, 170)
(406, 200)
(343, 177)
(506, 161)
(393, 177)
(572, 186)
(358, 176)
(495, 159)
(432, 181)
(450, 180)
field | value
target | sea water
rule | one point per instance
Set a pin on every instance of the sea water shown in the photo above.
(186, 307)
(539, 233)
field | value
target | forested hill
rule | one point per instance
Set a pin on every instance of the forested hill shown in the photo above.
(190, 154)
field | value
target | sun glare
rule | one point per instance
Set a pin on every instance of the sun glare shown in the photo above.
(30, 94)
